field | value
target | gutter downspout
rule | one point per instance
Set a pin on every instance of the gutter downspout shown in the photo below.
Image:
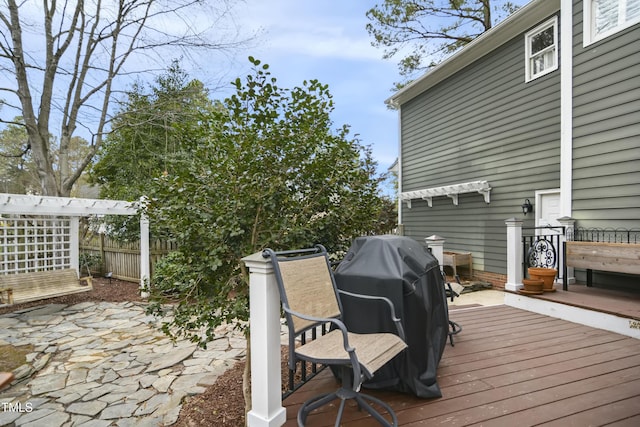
(400, 225)
(566, 107)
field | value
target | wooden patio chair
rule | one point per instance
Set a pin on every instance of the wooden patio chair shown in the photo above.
(310, 299)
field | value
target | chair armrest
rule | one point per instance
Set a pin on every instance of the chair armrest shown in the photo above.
(355, 364)
(339, 324)
(396, 320)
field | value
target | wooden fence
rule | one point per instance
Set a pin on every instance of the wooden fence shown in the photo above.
(121, 259)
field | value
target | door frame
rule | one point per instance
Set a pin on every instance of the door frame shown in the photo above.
(538, 205)
(538, 200)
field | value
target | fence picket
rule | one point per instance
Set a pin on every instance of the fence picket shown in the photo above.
(122, 259)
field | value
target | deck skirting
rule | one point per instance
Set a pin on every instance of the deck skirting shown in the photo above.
(594, 319)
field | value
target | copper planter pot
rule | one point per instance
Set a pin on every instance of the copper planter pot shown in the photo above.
(547, 275)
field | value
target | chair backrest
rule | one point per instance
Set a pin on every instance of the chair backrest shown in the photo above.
(306, 286)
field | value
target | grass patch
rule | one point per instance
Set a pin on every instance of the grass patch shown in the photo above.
(12, 357)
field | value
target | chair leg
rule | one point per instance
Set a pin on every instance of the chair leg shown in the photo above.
(340, 412)
(454, 329)
(313, 404)
(362, 402)
(345, 394)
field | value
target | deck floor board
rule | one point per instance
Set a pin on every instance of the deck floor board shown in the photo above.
(512, 367)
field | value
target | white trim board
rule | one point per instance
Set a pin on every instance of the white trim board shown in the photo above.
(594, 319)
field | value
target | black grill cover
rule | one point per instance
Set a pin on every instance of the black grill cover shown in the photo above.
(402, 270)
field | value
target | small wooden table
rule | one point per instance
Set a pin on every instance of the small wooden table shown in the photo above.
(455, 258)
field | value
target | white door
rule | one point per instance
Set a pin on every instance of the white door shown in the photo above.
(547, 212)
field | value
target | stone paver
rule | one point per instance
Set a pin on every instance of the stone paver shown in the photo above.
(105, 364)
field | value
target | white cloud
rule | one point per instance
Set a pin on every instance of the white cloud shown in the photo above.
(324, 43)
(325, 29)
(328, 40)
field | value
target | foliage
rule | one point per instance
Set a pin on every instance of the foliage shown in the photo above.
(18, 171)
(270, 173)
(155, 126)
(90, 261)
(425, 31)
(65, 62)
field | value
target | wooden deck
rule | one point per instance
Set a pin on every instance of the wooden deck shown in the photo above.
(616, 302)
(511, 367)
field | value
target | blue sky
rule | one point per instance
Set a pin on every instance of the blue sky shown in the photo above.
(327, 40)
(301, 40)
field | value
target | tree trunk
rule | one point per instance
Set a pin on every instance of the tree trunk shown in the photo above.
(42, 159)
(86, 46)
(486, 13)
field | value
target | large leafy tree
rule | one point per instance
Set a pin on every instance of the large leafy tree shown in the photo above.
(423, 32)
(63, 61)
(271, 173)
(154, 126)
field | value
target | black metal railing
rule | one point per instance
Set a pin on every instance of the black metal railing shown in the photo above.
(305, 371)
(606, 235)
(542, 250)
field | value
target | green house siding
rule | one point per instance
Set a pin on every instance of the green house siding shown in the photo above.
(606, 128)
(485, 123)
(482, 123)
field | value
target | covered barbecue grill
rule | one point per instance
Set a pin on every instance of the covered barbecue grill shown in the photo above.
(402, 270)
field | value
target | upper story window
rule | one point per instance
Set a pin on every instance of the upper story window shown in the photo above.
(541, 49)
(605, 17)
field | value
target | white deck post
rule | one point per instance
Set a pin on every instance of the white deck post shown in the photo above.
(514, 254)
(74, 244)
(436, 244)
(145, 269)
(264, 321)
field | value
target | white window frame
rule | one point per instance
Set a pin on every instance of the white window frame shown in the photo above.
(588, 22)
(528, 75)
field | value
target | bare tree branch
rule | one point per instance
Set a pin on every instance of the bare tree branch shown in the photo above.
(425, 31)
(76, 59)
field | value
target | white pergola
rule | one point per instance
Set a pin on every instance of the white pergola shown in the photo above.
(74, 208)
(451, 191)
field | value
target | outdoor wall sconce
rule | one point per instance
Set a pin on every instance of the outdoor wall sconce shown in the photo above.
(527, 207)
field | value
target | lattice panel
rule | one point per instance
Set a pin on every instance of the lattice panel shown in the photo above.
(34, 244)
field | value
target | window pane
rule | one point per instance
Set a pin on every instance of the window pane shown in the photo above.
(633, 9)
(543, 61)
(542, 40)
(605, 15)
(541, 46)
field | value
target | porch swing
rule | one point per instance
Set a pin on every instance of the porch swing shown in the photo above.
(39, 243)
